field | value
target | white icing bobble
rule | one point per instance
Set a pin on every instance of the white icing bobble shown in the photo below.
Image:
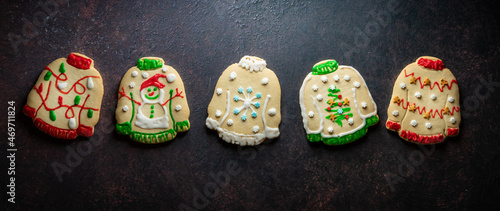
(178, 107)
(265, 81)
(418, 95)
(414, 123)
(255, 129)
(311, 114)
(333, 87)
(319, 98)
(356, 84)
(402, 85)
(131, 85)
(272, 112)
(451, 99)
(134, 74)
(453, 120)
(219, 91)
(229, 122)
(232, 76)
(62, 85)
(347, 78)
(145, 75)
(433, 97)
(336, 78)
(170, 78)
(428, 125)
(324, 79)
(164, 69)
(125, 108)
(252, 63)
(218, 113)
(315, 88)
(350, 121)
(364, 105)
(72, 123)
(90, 83)
(330, 130)
(395, 113)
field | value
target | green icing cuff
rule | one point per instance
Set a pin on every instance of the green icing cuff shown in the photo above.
(149, 64)
(325, 68)
(347, 138)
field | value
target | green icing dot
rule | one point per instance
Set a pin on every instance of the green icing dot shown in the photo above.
(151, 116)
(47, 76)
(61, 68)
(77, 100)
(152, 106)
(152, 111)
(90, 113)
(52, 115)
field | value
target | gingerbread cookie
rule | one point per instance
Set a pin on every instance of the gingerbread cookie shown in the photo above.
(337, 107)
(152, 106)
(66, 100)
(425, 103)
(245, 107)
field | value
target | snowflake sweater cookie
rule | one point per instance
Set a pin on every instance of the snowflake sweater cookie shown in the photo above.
(152, 106)
(425, 104)
(337, 107)
(245, 107)
(66, 100)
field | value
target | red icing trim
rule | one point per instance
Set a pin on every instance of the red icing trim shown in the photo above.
(122, 94)
(393, 125)
(63, 77)
(452, 131)
(79, 61)
(55, 131)
(85, 131)
(430, 64)
(422, 139)
(154, 81)
(441, 88)
(177, 94)
(433, 112)
(29, 111)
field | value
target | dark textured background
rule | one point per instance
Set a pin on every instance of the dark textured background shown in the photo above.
(200, 39)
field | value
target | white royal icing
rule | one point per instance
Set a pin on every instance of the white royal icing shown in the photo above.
(218, 113)
(402, 85)
(90, 83)
(433, 97)
(164, 69)
(145, 75)
(356, 84)
(428, 125)
(350, 121)
(178, 107)
(453, 120)
(219, 91)
(319, 98)
(272, 112)
(315, 88)
(311, 114)
(414, 123)
(229, 122)
(131, 85)
(170, 78)
(252, 63)
(232, 76)
(125, 108)
(364, 105)
(330, 130)
(451, 99)
(418, 95)
(333, 87)
(324, 79)
(134, 74)
(336, 78)
(395, 113)
(264, 81)
(62, 85)
(347, 78)
(72, 123)
(255, 129)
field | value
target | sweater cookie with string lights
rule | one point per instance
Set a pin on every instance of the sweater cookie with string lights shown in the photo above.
(425, 103)
(152, 106)
(66, 100)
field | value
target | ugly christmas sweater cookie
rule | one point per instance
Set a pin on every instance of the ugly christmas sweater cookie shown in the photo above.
(337, 107)
(245, 107)
(152, 106)
(425, 104)
(66, 100)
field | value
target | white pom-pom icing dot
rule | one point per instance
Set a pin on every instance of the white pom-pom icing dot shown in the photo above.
(336, 78)
(451, 99)
(131, 85)
(232, 76)
(272, 112)
(170, 78)
(330, 130)
(356, 84)
(178, 107)
(363, 105)
(324, 79)
(319, 98)
(125, 108)
(414, 123)
(347, 77)
(315, 88)
(395, 113)
(219, 91)
(145, 75)
(453, 120)
(402, 85)
(418, 95)
(134, 73)
(428, 125)
(350, 121)
(255, 129)
(218, 113)
(333, 87)
(164, 69)
(433, 97)
(311, 114)
(264, 81)
(229, 122)
(72, 123)
(62, 85)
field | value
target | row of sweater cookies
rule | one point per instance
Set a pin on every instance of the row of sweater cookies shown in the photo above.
(336, 105)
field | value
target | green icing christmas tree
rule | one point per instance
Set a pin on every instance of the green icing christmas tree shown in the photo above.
(337, 109)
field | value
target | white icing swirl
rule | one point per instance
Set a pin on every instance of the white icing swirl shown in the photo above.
(330, 130)
(319, 98)
(255, 129)
(131, 85)
(428, 125)
(402, 85)
(356, 84)
(232, 76)
(350, 121)
(414, 123)
(145, 75)
(265, 81)
(451, 99)
(178, 107)
(125, 108)
(453, 120)
(315, 88)
(324, 79)
(311, 114)
(336, 78)
(219, 91)
(364, 105)
(229, 122)
(395, 113)
(347, 78)
(218, 113)
(418, 95)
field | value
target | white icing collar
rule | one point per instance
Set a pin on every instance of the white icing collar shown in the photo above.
(252, 63)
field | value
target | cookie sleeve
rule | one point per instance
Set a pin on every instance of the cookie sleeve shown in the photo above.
(452, 120)
(398, 104)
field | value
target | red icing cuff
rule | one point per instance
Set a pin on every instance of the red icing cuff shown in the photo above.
(427, 63)
(29, 111)
(85, 131)
(413, 137)
(452, 131)
(392, 125)
(55, 131)
(79, 61)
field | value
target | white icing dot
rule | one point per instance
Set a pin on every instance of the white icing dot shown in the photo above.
(232, 76)
(315, 88)
(347, 77)
(402, 85)
(395, 113)
(332, 87)
(72, 123)
(264, 81)
(363, 105)
(164, 69)
(229, 122)
(453, 120)
(145, 75)
(418, 95)
(218, 113)
(428, 125)
(255, 129)
(131, 85)
(319, 98)
(134, 74)
(433, 97)
(272, 112)
(311, 114)
(451, 99)
(170, 78)
(219, 91)
(324, 79)
(62, 85)
(350, 121)
(125, 108)
(336, 78)
(90, 83)
(414, 123)
(330, 130)
(178, 107)
(356, 84)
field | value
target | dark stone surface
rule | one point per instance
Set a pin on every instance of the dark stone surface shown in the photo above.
(200, 39)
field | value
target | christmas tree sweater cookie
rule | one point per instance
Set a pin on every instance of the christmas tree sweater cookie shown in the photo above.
(245, 107)
(425, 104)
(337, 107)
(66, 100)
(152, 106)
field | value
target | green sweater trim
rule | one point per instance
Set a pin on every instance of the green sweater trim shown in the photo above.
(347, 138)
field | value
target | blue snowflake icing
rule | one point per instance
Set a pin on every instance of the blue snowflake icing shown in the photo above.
(249, 89)
(340, 111)
(257, 105)
(240, 90)
(236, 98)
(244, 117)
(254, 114)
(258, 95)
(236, 111)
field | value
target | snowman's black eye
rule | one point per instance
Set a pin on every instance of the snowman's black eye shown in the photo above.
(155, 88)
(149, 89)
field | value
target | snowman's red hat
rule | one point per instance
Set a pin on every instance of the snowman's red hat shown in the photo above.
(154, 81)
